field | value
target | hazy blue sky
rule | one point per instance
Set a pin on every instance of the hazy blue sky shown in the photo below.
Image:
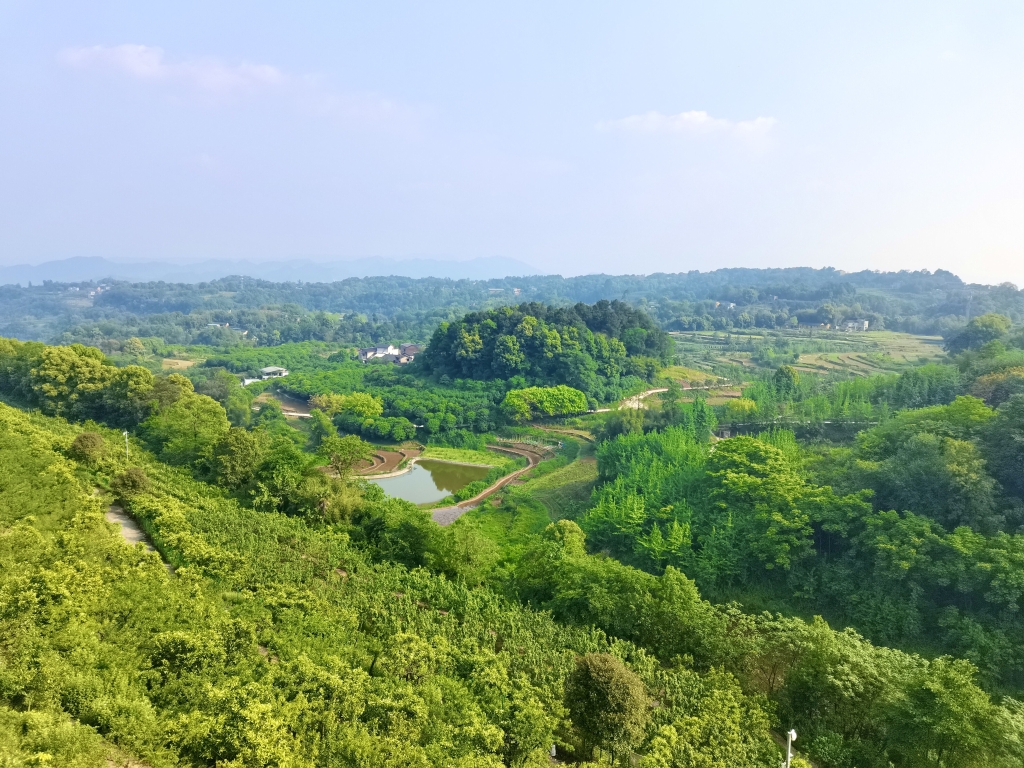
(576, 136)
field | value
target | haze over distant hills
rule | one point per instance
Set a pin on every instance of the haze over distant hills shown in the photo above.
(82, 268)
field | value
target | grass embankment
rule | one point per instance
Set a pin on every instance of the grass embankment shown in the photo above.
(464, 456)
(565, 492)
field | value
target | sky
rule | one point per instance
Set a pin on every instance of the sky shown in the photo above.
(578, 137)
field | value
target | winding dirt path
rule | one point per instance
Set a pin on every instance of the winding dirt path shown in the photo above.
(448, 515)
(636, 401)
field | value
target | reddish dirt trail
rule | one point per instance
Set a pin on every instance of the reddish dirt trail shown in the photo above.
(385, 462)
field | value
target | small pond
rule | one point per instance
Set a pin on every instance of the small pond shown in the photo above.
(430, 481)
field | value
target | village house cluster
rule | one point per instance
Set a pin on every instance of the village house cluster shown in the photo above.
(400, 355)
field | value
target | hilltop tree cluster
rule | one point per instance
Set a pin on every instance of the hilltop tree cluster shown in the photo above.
(599, 350)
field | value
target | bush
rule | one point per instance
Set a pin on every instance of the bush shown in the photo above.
(131, 482)
(523, 404)
(87, 448)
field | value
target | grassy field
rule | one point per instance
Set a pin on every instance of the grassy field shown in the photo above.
(566, 491)
(508, 524)
(174, 364)
(464, 455)
(519, 511)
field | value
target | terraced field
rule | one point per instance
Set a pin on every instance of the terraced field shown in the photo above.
(862, 354)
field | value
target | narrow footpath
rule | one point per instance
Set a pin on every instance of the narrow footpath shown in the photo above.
(130, 530)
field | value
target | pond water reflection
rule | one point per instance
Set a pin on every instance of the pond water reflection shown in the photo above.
(430, 481)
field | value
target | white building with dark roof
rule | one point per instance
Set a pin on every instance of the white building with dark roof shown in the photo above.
(404, 353)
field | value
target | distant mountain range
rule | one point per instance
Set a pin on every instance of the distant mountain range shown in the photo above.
(81, 269)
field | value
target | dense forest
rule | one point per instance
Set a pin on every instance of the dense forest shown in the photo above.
(590, 348)
(847, 563)
(375, 309)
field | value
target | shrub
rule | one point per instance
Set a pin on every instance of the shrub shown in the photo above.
(131, 482)
(87, 448)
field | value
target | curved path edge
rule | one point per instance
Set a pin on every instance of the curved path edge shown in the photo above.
(448, 515)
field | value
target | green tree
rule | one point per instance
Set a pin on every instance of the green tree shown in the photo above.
(167, 390)
(270, 415)
(939, 477)
(979, 331)
(786, 381)
(508, 357)
(755, 494)
(1004, 445)
(87, 448)
(320, 428)
(343, 453)
(69, 381)
(608, 705)
(133, 347)
(361, 404)
(524, 404)
(126, 397)
(239, 456)
(188, 431)
(996, 388)
(129, 483)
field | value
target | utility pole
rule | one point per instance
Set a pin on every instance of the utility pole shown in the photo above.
(790, 738)
(126, 445)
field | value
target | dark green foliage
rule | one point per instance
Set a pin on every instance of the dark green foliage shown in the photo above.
(580, 346)
(187, 432)
(77, 382)
(129, 483)
(1003, 442)
(239, 456)
(938, 476)
(786, 381)
(608, 705)
(320, 428)
(978, 332)
(375, 309)
(745, 521)
(227, 390)
(87, 448)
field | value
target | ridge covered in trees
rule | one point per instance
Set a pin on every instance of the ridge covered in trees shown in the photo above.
(381, 309)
